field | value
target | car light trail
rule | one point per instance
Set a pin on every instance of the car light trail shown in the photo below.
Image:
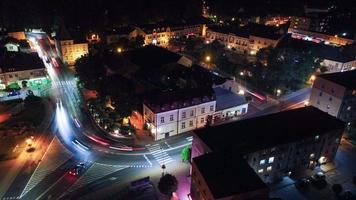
(80, 145)
(98, 140)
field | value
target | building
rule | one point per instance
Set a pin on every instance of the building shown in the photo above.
(215, 176)
(335, 94)
(160, 33)
(19, 35)
(236, 39)
(170, 113)
(229, 105)
(16, 67)
(319, 37)
(274, 146)
(247, 40)
(128, 32)
(300, 22)
(338, 59)
(71, 51)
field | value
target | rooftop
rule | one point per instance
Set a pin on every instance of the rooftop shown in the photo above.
(165, 101)
(152, 56)
(267, 131)
(228, 176)
(230, 30)
(122, 30)
(18, 61)
(346, 79)
(227, 99)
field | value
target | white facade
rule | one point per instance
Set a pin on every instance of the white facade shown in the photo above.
(173, 122)
(337, 66)
(231, 112)
(12, 47)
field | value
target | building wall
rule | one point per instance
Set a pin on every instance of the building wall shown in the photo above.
(230, 113)
(336, 66)
(11, 47)
(302, 23)
(230, 41)
(327, 96)
(71, 51)
(20, 35)
(10, 77)
(177, 121)
(347, 111)
(275, 163)
(257, 43)
(199, 189)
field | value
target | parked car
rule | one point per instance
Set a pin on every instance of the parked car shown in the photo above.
(302, 183)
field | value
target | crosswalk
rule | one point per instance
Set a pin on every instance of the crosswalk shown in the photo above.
(95, 172)
(63, 83)
(159, 154)
(55, 156)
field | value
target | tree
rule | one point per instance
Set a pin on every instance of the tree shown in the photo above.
(186, 154)
(32, 101)
(137, 42)
(337, 188)
(168, 184)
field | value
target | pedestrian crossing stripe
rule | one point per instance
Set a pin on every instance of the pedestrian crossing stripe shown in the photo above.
(159, 154)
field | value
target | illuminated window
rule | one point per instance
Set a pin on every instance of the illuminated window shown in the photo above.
(269, 168)
(271, 159)
(328, 106)
(262, 162)
(202, 110)
(260, 171)
(317, 137)
(190, 123)
(349, 108)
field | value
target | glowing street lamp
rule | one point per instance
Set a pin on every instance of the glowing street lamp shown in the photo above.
(242, 73)
(207, 58)
(119, 50)
(279, 92)
(312, 78)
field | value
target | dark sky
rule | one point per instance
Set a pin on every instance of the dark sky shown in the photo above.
(92, 13)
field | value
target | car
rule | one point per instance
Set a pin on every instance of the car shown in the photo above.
(302, 183)
(77, 170)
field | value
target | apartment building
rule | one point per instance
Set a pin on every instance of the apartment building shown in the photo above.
(16, 67)
(273, 146)
(335, 94)
(160, 33)
(247, 40)
(170, 113)
(128, 32)
(71, 50)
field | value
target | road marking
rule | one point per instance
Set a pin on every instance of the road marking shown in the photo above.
(147, 159)
(55, 183)
(160, 155)
(169, 146)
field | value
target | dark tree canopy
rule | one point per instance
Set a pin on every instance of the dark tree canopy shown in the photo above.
(168, 184)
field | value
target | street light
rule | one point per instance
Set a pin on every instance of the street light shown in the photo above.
(207, 58)
(119, 50)
(312, 78)
(242, 73)
(279, 92)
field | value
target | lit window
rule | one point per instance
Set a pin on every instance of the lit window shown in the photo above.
(311, 156)
(183, 125)
(316, 137)
(328, 106)
(262, 162)
(269, 168)
(271, 159)
(260, 171)
(349, 108)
